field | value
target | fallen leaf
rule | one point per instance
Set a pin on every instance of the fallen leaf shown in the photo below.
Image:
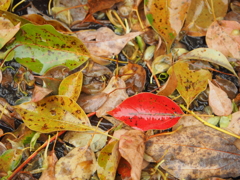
(108, 160)
(5, 4)
(218, 100)
(49, 173)
(71, 86)
(106, 42)
(39, 93)
(224, 36)
(15, 19)
(167, 17)
(124, 169)
(147, 111)
(34, 43)
(53, 113)
(190, 82)
(8, 31)
(131, 148)
(79, 163)
(200, 15)
(210, 55)
(161, 64)
(169, 87)
(196, 152)
(116, 90)
(81, 139)
(234, 124)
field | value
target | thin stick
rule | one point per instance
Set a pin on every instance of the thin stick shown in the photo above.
(154, 76)
(208, 124)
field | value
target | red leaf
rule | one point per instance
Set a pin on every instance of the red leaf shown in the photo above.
(146, 111)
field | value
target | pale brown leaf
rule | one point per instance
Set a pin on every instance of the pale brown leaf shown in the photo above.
(234, 124)
(219, 101)
(104, 42)
(131, 148)
(196, 152)
(39, 93)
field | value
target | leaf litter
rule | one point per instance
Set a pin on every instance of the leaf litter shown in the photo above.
(127, 74)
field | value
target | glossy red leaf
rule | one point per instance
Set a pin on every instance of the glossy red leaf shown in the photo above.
(146, 111)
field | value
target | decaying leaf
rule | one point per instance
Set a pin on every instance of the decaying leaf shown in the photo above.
(210, 55)
(169, 87)
(108, 161)
(81, 139)
(39, 93)
(80, 163)
(190, 82)
(224, 37)
(71, 86)
(53, 113)
(8, 30)
(200, 15)
(218, 100)
(234, 124)
(167, 17)
(106, 42)
(131, 148)
(41, 47)
(196, 152)
(5, 4)
(117, 93)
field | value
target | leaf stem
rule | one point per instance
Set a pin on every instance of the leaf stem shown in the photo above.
(208, 124)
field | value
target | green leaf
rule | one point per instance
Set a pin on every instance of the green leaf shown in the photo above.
(190, 82)
(71, 86)
(210, 55)
(40, 48)
(54, 113)
(108, 161)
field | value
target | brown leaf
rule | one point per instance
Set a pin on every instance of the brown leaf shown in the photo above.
(224, 37)
(196, 152)
(106, 42)
(131, 148)
(49, 173)
(170, 86)
(234, 124)
(39, 93)
(98, 5)
(219, 101)
(117, 94)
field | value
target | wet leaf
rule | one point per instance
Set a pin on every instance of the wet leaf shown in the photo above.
(80, 163)
(190, 82)
(81, 139)
(33, 43)
(116, 89)
(108, 160)
(104, 42)
(218, 100)
(196, 152)
(131, 148)
(39, 93)
(71, 86)
(53, 113)
(134, 76)
(146, 111)
(166, 17)
(224, 37)
(210, 55)
(200, 15)
(8, 30)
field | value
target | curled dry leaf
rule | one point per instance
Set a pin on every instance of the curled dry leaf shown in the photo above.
(106, 42)
(224, 37)
(49, 172)
(116, 90)
(169, 87)
(200, 15)
(80, 163)
(131, 148)
(196, 152)
(218, 100)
